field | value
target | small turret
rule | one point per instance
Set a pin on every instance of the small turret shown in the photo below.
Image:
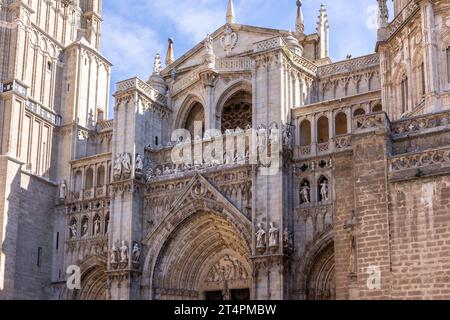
(231, 17)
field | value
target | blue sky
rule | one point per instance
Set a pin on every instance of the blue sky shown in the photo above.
(133, 31)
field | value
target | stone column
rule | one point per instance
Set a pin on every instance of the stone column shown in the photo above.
(433, 103)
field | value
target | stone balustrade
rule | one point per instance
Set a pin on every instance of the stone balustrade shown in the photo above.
(438, 157)
(403, 17)
(143, 87)
(421, 124)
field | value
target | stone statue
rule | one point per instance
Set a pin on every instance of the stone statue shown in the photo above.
(97, 226)
(157, 65)
(73, 230)
(260, 237)
(62, 190)
(209, 44)
(139, 165)
(288, 242)
(114, 254)
(126, 165)
(136, 253)
(117, 169)
(85, 227)
(124, 253)
(273, 236)
(324, 190)
(352, 256)
(305, 193)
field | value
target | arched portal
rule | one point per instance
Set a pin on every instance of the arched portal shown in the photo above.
(205, 257)
(237, 111)
(94, 281)
(320, 282)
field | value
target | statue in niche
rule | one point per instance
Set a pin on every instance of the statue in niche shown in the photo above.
(136, 253)
(124, 252)
(260, 237)
(305, 193)
(73, 230)
(97, 225)
(139, 167)
(324, 190)
(273, 236)
(62, 190)
(114, 254)
(85, 228)
(126, 165)
(288, 242)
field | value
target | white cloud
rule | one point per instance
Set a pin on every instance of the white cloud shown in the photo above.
(129, 46)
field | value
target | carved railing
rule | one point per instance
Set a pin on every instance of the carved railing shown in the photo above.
(403, 17)
(105, 125)
(342, 142)
(421, 124)
(420, 160)
(323, 147)
(269, 44)
(304, 63)
(370, 122)
(234, 64)
(138, 84)
(350, 65)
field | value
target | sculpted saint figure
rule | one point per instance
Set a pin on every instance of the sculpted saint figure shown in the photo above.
(260, 237)
(305, 193)
(273, 236)
(136, 253)
(124, 253)
(114, 254)
(324, 190)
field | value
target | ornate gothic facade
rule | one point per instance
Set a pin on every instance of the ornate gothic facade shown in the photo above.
(350, 202)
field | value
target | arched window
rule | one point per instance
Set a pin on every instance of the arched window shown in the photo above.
(448, 64)
(422, 78)
(377, 108)
(359, 112)
(341, 124)
(323, 130)
(101, 176)
(89, 179)
(77, 181)
(106, 229)
(195, 121)
(237, 111)
(305, 133)
(404, 93)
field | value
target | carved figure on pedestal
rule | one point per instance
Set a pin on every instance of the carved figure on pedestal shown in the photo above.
(62, 190)
(260, 237)
(139, 166)
(324, 190)
(274, 235)
(136, 253)
(126, 165)
(305, 193)
(124, 253)
(114, 254)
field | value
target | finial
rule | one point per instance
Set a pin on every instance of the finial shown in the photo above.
(231, 18)
(300, 22)
(170, 55)
(157, 65)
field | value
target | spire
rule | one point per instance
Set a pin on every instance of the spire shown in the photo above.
(231, 18)
(383, 14)
(170, 56)
(300, 22)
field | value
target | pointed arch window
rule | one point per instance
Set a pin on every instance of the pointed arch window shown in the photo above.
(404, 93)
(448, 64)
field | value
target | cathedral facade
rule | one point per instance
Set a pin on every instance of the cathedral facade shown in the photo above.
(252, 167)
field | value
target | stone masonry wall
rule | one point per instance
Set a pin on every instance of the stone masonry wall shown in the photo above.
(420, 245)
